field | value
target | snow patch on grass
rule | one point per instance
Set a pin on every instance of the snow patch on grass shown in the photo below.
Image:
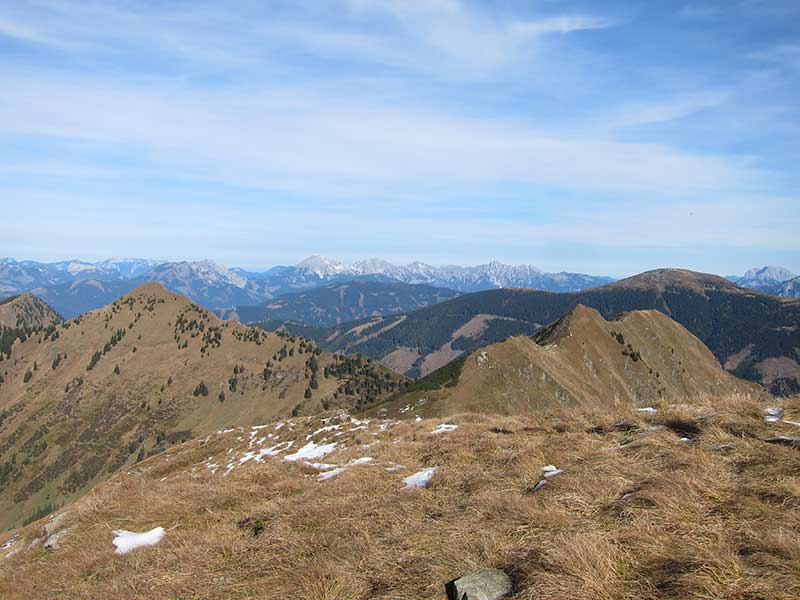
(444, 428)
(420, 479)
(311, 451)
(125, 541)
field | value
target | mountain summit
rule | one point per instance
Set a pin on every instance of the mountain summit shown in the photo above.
(582, 360)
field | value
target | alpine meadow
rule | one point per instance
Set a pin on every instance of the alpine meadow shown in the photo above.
(400, 300)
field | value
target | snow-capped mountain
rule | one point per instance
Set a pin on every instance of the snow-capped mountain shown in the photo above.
(464, 279)
(72, 287)
(323, 267)
(129, 267)
(764, 279)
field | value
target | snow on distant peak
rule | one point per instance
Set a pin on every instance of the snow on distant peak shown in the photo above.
(769, 274)
(375, 266)
(214, 272)
(78, 267)
(323, 267)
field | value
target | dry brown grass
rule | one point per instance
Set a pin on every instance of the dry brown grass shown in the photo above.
(637, 514)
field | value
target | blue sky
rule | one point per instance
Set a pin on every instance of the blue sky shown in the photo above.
(602, 137)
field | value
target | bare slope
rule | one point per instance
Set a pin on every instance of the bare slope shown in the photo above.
(688, 502)
(641, 359)
(88, 397)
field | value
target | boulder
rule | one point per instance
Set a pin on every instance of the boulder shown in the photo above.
(487, 584)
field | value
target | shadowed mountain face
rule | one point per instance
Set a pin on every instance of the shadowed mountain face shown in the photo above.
(643, 358)
(789, 289)
(753, 335)
(343, 302)
(82, 399)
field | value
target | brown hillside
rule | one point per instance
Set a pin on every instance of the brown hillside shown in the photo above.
(26, 311)
(642, 359)
(112, 386)
(688, 502)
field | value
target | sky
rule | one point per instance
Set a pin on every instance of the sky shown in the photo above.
(605, 137)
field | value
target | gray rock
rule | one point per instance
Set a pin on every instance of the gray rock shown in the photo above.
(487, 584)
(783, 440)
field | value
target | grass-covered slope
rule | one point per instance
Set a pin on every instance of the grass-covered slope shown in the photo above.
(100, 392)
(687, 502)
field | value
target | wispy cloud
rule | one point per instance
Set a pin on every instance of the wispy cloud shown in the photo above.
(464, 120)
(669, 109)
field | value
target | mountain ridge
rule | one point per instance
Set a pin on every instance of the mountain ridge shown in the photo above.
(82, 399)
(335, 303)
(754, 335)
(641, 357)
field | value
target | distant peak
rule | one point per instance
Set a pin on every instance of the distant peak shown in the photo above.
(322, 266)
(769, 273)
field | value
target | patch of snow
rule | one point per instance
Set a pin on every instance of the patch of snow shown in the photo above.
(321, 466)
(420, 479)
(330, 474)
(311, 450)
(394, 468)
(8, 544)
(322, 430)
(551, 471)
(647, 409)
(277, 448)
(774, 414)
(337, 470)
(125, 541)
(444, 428)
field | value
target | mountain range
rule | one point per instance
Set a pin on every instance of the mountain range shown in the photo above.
(75, 287)
(754, 335)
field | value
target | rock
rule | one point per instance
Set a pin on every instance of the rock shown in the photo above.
(783, 440)
(538, 486)
(54, 540)
(487, 584)
(723, 447)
